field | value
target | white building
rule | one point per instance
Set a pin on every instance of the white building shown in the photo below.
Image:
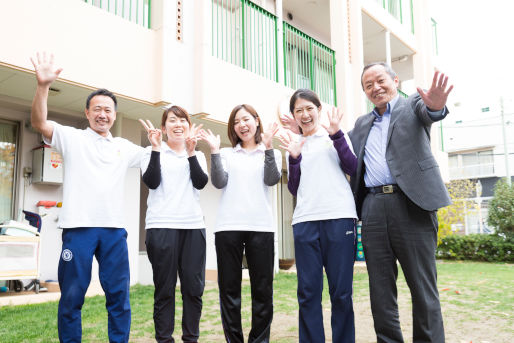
(205, 55)
(477, 150)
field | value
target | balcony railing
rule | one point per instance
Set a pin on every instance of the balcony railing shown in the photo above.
(245, 34)
(309, 64)
(136, 11)
(472, 171)
(397, 8)
(403, 94)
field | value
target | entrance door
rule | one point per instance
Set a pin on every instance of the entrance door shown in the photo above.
(8, 160)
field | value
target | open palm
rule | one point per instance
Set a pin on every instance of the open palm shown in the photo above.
(291, 145)
(46, 72)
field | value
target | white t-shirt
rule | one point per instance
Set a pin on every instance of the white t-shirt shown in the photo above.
(175, 204)
(94, 176)
(246, 200)
(324, 191)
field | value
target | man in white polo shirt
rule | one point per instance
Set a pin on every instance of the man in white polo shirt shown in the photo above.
(95, 165)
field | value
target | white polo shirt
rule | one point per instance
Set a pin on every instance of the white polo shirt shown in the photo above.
(246, 200)
(175, 204)
(94, 176)
(324, 191)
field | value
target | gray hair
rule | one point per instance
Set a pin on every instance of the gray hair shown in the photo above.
(386, 66)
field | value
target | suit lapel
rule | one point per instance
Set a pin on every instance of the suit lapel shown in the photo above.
(367, 123)
(397, 112)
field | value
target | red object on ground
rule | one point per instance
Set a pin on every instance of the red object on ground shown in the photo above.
(46, 203)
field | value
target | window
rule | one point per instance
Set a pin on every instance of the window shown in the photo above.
(8, 154)
(471, 165)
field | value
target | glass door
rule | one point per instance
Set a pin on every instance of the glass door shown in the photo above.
(8, 154)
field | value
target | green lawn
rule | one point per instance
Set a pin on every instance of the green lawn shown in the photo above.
(477, 301)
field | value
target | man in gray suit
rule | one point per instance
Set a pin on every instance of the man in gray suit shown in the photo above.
(398, 189)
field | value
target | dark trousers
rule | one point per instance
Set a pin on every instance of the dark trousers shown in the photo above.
(109, 246)
(394, 228)
(329, 244)
(173, 251)
(259, 249)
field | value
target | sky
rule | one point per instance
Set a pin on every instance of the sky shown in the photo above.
(477, 53)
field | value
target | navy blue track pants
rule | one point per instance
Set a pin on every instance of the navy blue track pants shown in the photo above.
(330, 244)
(109, 246)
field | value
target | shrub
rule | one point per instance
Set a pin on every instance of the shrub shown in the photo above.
(460, 192)
(501, 209)
(477, 247)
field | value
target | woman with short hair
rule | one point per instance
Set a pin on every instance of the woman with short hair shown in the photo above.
(245, 172)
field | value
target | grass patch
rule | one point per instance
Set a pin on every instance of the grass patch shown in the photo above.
(472, 295)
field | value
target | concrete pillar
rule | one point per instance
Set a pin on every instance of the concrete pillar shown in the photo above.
(346, 40)
(116, 130)
(388, 47)
(280, 41)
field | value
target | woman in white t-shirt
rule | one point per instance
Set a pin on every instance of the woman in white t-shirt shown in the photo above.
(246, 172)
(175, 229)
(324, 217)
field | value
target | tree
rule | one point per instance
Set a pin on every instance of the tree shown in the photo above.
(501, 208)
(460, 192)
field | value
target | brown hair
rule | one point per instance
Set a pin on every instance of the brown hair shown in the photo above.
(305, 94)
(177, 111)
(231, 132)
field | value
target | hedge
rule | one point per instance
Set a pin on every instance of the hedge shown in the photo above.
(477, 247)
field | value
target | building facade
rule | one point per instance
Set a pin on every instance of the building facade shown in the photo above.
(204, 55)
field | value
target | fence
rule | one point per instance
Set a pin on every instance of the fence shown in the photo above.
(136, 11)
(245, 34)
(309, 64)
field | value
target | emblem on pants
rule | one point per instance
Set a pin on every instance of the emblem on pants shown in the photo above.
(67, 255)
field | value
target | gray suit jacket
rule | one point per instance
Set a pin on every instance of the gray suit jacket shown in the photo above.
(408, 155)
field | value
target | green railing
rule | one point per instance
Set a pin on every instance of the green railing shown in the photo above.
(397, 8)
(394, 7)
(402, 94)
(309, 64)
(136, 11)
(245, 34)
(434, 37)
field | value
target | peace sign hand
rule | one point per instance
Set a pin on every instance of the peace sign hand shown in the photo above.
(267, 136)
(335, 121)
(435, 98)
(154, 135)
(290, 145)
(192, 139)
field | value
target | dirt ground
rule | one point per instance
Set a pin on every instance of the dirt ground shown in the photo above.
(285, 327)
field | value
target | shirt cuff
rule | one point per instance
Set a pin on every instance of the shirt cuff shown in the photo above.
(437, 115)
(293, 160)
(336, 135)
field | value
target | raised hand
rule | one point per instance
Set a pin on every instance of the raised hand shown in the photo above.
(192, 139)
(154, 135)
(289, 123)
(290, 145)
(46, 72)
(213, 141)
(435, 98)
(267, 136)
(334, 120)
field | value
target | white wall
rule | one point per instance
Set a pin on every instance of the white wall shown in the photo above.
(95, 48)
